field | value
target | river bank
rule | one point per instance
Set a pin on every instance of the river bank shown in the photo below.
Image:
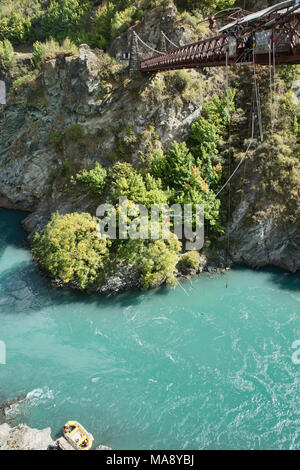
(23, 437)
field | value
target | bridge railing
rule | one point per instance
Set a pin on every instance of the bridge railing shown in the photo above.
(212, 52)
(202, 50)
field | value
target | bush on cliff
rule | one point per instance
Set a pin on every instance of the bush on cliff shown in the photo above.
(156, 260)
(70, 249)
(6, 54)
(21, 81)
(206, 5)
(65, 18)
(74, 133)
(190, 260)
(158, 263)
(15, 27)
(50, 48)
(95, 178)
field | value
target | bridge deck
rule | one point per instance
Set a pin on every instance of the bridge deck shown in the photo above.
(212, 52)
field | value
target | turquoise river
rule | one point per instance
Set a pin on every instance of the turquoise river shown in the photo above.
(206, 366)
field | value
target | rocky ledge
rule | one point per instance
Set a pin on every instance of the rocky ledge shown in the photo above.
(23, 437)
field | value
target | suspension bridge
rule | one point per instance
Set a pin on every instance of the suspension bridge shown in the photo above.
(273, 30)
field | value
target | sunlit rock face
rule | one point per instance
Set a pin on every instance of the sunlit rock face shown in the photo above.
(149, 29)
(69, 91)
(24, 438)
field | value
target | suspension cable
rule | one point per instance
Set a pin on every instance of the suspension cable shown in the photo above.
(166, 37)
(146, 45)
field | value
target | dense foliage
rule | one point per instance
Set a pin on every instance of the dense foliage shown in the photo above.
(94, 22)
(95, 178)
(190, 260)
(6, 54)
(15, 27)
(70, 249)
(43, 50)
(206, 5)
(274, 163)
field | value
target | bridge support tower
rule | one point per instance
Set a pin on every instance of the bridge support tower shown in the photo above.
(134, 62)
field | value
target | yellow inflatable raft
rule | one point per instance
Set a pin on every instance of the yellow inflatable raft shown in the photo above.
(77, 436)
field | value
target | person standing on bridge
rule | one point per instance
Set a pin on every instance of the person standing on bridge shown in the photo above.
(212, 23)
(249, 46)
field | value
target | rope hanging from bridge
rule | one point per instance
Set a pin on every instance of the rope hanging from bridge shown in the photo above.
(166, 37)
(146, 45)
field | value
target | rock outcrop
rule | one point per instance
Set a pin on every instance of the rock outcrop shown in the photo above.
(149, 29)
(24, 438)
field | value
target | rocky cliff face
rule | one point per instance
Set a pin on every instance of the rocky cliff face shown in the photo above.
(149, 29)
(24, 438)
(68, 91)
(268, 243)
(79, 110)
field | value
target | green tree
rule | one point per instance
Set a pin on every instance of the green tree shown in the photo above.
(190, 260)
(15, 27)
(95, 178)
(175, 167)
(65, 18)
(158, 262)
(6, 54)
(122, 20)
(70, 249)
(207, 6)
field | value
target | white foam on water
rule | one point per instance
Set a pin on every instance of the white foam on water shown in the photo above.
(137, 339)
(169, 356)
(39, 395)
(32, 399)
(99, 333)
(96, 379)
